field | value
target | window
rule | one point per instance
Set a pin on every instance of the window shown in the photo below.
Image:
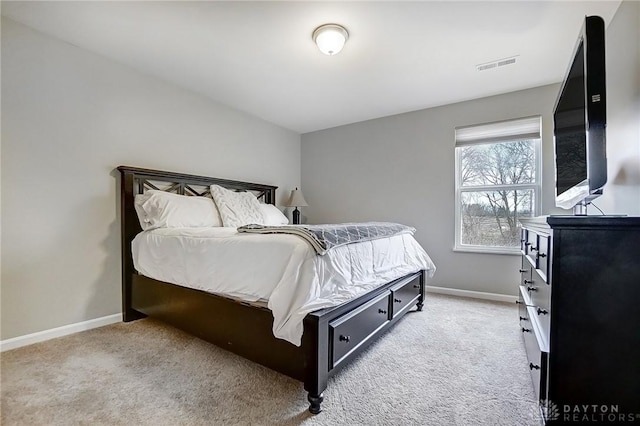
(497, 182)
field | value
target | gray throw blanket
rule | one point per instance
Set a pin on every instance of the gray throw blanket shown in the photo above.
(325, 237)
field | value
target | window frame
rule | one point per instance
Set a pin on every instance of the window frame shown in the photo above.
(459, 190)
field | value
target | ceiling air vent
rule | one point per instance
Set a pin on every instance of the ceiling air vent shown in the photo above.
(496, 64)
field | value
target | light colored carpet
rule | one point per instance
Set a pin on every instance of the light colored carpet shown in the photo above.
(459, 362)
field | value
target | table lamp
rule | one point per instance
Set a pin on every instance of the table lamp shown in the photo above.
(296, 200)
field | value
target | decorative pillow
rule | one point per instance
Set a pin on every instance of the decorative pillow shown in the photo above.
(272, 215)
(236, 208)
(159, 209)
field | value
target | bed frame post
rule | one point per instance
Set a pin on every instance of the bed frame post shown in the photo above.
(423, 290)
(129, 228)
(315, 340)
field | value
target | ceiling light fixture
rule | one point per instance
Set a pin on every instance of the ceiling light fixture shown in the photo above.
(330, 38)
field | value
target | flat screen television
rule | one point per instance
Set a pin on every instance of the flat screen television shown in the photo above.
(579, 119)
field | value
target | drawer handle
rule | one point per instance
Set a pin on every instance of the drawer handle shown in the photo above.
(532, 288)
(528, 282)
(522, 271)
(519, 302)
(527, 244)
(416, 286)
(534, 249)
(524, 319)
(532, 366)
(526, 330)
(542, 255)
(542, 311)
(344, 338)
(382, 311)
(397, 300)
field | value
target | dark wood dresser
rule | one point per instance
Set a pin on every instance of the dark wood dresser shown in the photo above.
(579, 309)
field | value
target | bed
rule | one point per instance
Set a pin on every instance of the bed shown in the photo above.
(331, 337)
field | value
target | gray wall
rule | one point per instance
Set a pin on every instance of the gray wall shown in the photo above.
(68, 118)
(622, 192)
(401, 169)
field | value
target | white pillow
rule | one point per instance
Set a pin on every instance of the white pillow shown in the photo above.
(236, 208)
(138, 201)
(159, 209)
(272, 215)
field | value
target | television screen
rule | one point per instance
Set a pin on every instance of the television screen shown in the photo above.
(580, 120)
(570, 129)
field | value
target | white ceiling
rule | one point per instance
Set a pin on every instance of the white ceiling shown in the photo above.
(258, 57)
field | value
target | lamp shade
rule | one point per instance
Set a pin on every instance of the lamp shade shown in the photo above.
(330, 38)
(296, 199)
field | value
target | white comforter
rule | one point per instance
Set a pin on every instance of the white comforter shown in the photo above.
(280, 269)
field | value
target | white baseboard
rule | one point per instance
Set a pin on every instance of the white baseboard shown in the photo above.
(473, 294)
(41, 336)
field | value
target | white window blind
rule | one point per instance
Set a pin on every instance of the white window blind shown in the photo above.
(497, 183)
(518, 129)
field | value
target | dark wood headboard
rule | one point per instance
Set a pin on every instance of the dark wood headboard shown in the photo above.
(134, 181)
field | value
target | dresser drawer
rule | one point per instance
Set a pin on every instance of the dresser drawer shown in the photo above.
(525, 271)
(523, 315)
(543, 317)
(542, 256)
(523, 240)
(533, 317)
(353, 329)
(405, 295)
(532, 242)
(539, 291)
(536, 362)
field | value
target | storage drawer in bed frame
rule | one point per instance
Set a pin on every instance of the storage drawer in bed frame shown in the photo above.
(404, 296)
(350, 331)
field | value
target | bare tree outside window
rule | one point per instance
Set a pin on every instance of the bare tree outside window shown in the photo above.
(497, 186)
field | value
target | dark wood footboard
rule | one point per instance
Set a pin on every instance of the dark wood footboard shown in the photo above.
(335, 336)
(332, 337)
